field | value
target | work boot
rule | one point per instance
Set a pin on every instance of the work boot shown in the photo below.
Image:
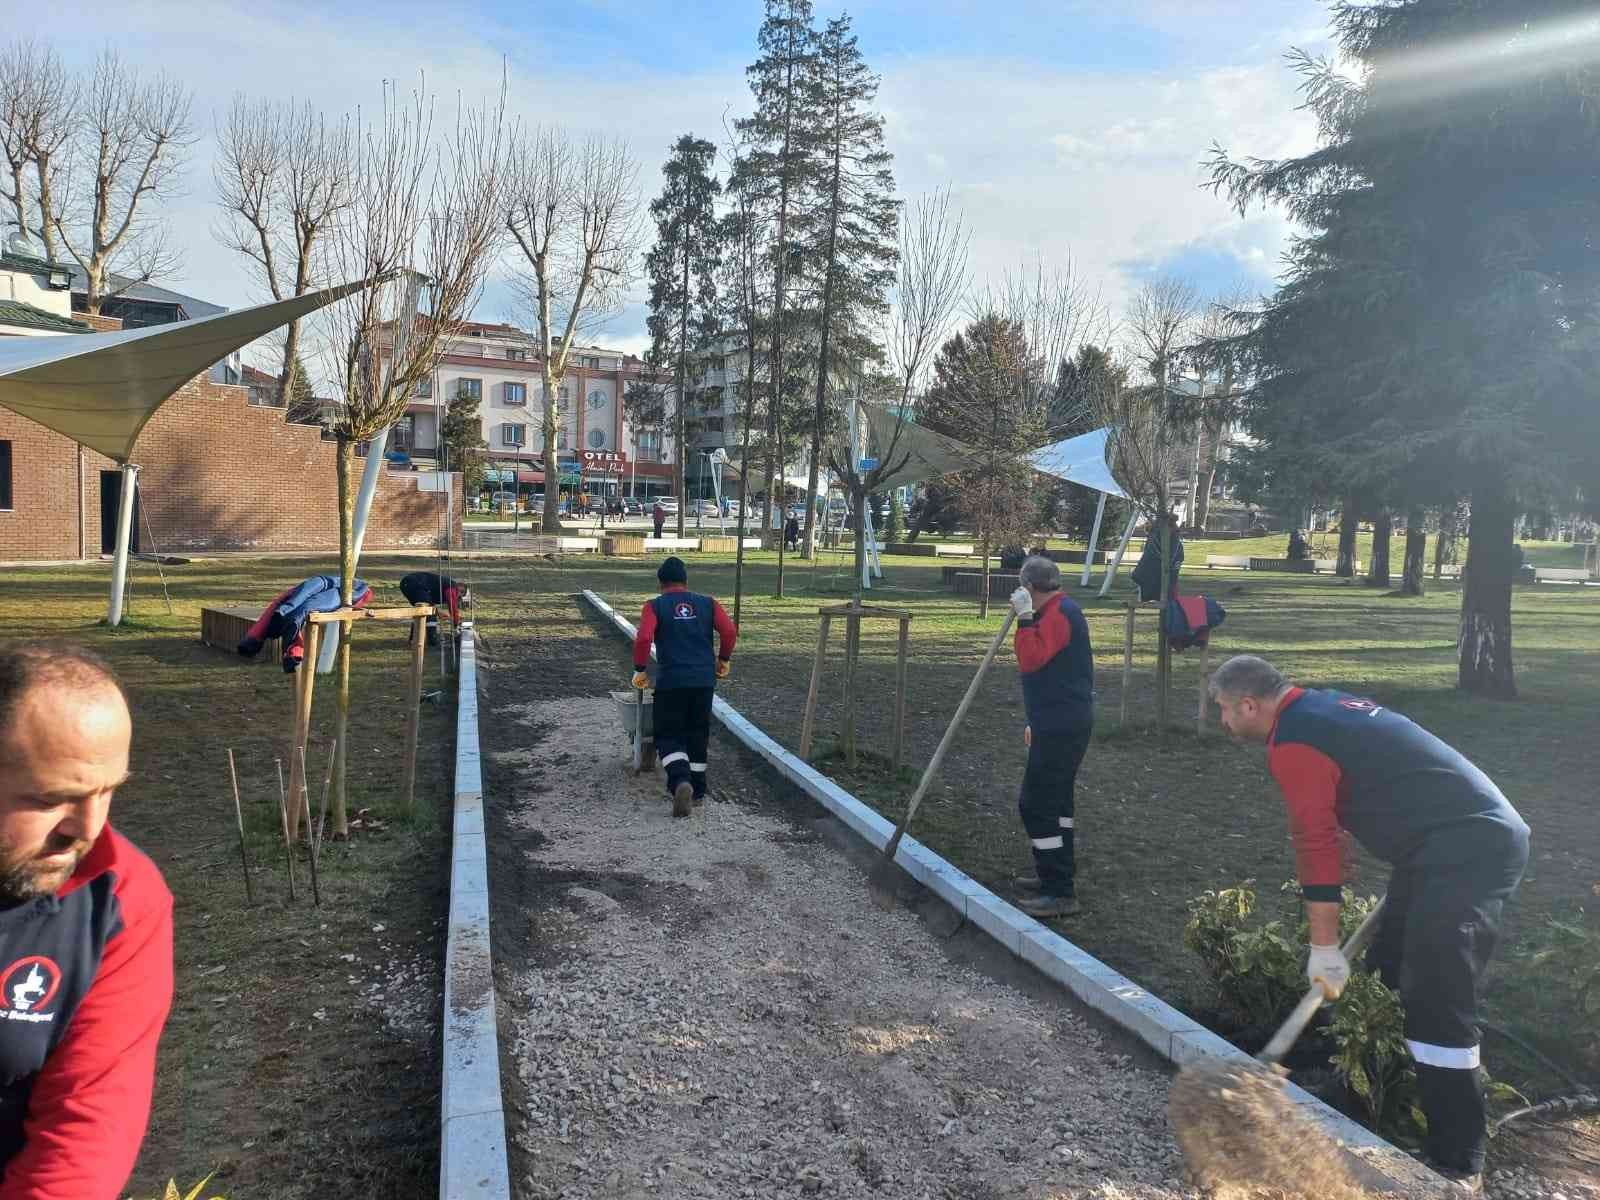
(1463, 1183)
(682, 799)
(1042, 906)
(1028, 883)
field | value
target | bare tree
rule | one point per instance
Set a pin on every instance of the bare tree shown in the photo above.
(932, 252)
(283, 178)
(1057, 311)
(1149, 425)
(38, 114)
(126, 154)
(427, 217)
(1217, 373)
(572, 207)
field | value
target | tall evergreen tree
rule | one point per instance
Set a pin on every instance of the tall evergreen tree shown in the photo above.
(682, 268)
(851, 230)
(461, 435)
(1446, 299)
(781, 160)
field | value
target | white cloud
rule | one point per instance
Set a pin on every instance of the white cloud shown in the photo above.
(1104, 167)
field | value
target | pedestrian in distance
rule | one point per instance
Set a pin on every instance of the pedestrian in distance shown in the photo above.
(659, 516)
(1056, 663)
(1457, 849)
(85, 933)
(791, 533)
(680, 624)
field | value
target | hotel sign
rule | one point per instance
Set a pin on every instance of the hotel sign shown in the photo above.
(604, 460)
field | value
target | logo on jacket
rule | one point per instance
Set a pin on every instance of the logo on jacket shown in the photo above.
(27, 987)
(1361, 706)
(683, 611)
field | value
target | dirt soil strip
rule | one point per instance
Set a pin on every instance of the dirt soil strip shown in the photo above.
(712, 1007)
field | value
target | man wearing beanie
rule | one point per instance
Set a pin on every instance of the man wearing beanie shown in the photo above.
(680, 624)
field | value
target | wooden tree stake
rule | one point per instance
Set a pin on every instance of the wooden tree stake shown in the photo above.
(306, 686)
(305, 804)
(1127, 663)
(900, 693)
(283, 813)
(238, 814)
(809, 720)
(408, 789)
(1205, 670)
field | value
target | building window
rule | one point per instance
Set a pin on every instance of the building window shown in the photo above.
(563, 399)
(597, 439)
(471, 388)
(650, 441)
(515, 355)
(5, 475)
(517, 393)
(425, 388)
(712, 425)
(597, 399)
(513, 435)
(592, 360)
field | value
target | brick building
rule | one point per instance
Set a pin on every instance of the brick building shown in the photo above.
(217, 473)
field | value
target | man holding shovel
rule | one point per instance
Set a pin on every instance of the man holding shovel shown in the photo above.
(1458, 849)
(1057, 668)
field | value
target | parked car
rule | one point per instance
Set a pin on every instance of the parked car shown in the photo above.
(669, 504)
(706, 508)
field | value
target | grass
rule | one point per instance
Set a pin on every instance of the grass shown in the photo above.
(279, 1068)
(1160, 820)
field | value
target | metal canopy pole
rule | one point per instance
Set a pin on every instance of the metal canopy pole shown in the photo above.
(1094, 540)
(1122, 546)
(119, 565)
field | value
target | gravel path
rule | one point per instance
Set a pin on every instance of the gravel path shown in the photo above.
(713, 1008)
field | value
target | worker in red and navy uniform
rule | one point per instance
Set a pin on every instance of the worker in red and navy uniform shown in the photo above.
(85, 934)
(680, 623)
(1056, 663)
(1457, 847)
(434, 588)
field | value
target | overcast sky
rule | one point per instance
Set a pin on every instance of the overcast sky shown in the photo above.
(1068, 129)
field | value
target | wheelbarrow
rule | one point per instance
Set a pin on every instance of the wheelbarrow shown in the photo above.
(635, 709)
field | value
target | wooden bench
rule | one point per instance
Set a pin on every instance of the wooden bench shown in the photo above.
(1325, 566)
(571, 545)
(671, 543)
(1560, 575)
(912, 549)
(1449, 570)
(225, 627)
(1238, 561)
(1297, 565)
(953, 550)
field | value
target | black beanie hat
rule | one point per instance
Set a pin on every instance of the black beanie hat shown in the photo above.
(673, 571)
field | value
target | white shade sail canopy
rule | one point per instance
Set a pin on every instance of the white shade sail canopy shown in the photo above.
(99, 389)
(926, 454)
(1080, 460)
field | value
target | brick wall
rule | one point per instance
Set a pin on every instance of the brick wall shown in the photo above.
(217, 474)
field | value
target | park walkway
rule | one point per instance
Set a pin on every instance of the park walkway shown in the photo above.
(712, 1007)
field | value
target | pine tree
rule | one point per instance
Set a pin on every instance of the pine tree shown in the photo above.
(781, 169)
(682, 267)
(851, 231)
(1442, 310)
(461, 435)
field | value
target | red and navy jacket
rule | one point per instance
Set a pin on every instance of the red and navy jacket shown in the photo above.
(85, 986)
(680, 623)
(1057, 667)
(1410, 799)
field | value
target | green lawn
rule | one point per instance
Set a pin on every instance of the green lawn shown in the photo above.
(278, 1068)
(1161, 820)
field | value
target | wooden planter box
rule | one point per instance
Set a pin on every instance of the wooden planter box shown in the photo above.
(1304, 565)
(1001, 584)
(622, 544)
(719, 545)
(223, 627)
(913, 549)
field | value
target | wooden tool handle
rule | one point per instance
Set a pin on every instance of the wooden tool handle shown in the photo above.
(1289, 1032)
(932, 768)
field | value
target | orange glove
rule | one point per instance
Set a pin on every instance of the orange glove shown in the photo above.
(723, 667)
(641, 679)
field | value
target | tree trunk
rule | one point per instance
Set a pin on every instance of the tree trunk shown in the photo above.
(1349, 519)
(744, 474)
(347, 575)
(678, 473)
(1485, 642)
(1378, 564)
(1163, 650)
(858, 526)
(1416, 553)
(783, 515)
(983, 582)
(291, 348)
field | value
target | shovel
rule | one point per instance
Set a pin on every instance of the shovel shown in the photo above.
(1236, 1126)
(884, 880)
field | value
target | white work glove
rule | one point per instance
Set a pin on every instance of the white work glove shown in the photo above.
(1328, 968)
(1021, 602)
